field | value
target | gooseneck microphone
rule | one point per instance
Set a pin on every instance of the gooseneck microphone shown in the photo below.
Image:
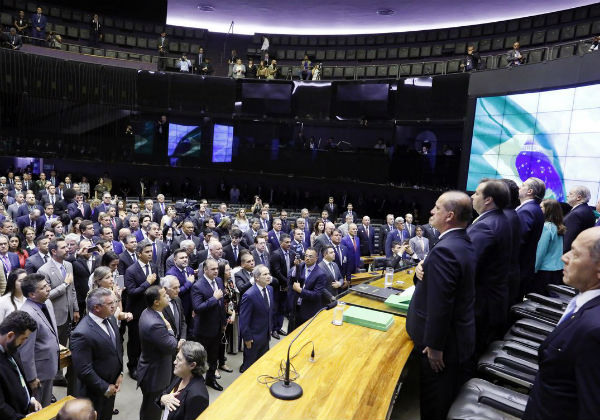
(287, 390)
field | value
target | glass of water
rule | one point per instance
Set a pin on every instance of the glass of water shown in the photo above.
(338, 314)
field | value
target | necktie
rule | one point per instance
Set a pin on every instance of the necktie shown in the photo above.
(235, 253)
(114, 223)
(175, 313)
(353, 242)
(262, 259)
(337, 250)
(133, 258)
(21, 378)
(154, 252)
(45, 259)
(47, 315)
(569, 311)
(7, 264)
(52, 199)
(31, 223)
(162, 208)
(332, 270)
(147, 268)
(367, 231)
(111, 333)
(287, 261)
(63, 271)
(213, 284)
(265, 297)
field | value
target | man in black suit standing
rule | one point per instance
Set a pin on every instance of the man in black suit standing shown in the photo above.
(531, 194)
(581, 216)
(209, 319)
(138, 277)
(35, 261)
(515, 230)
(335, 280)
(16, 401)
(490, 234)
(97, 353)
(332, 209)
(440, 318)
(173, 312)
(431, 233)
(159, 347)
(567, 385)
(83, 267)
(384, 231)
(366, 237)
(231, 252)
(244, 278)
(282, 260)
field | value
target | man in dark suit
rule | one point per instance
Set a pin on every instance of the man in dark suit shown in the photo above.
(285, 223)
(409, 227)
(9, 260)
(13, 40)
(231, 252)
(282, 261)
(366, 237)
(275, 234)
(531, 217)
(515, 230)
(38, 26)
(341, 256)
(256, 310)
(332, 209)
(568, 379)
(222, 213)
(33, 220)
(324, 239)
(352, 244)
(187, 232)
(159, 347)
(244, 279)
(384, 231)
(102, 207)
(83, 267)
(298, 245)
(97, 353)
(490, 235)
(41, 257)
(79, 208)
(440, 318)
(209, 319)
(335, 280)
(251, 233)
(302, 225)
(260, 253)
(138, 277)
(39, 352)
(173, 312)
(16, 399)
(350, 210)
(431, 233)
(305, 291)
(159, 208)
(581, 216)
(29, 205)
(397, 235)
(265, 220)
(127, 257)
(185, 275)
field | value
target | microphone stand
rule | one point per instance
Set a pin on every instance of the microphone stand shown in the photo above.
(286, 390)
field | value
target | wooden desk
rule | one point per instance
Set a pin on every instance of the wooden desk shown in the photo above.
(364, 277)
(354, 375)
(48, 413)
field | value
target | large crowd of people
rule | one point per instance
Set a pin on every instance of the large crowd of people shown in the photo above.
(85, 273)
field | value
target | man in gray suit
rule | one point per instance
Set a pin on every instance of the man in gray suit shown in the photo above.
(13, 209)
(335, 280)
(39, 353)
(37, 260)
(419, 244)
(159, 346)
(324, 239)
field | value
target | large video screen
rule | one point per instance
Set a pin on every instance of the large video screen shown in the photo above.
(552, 135)
(184, 140)
(144, 137)
(222, 143)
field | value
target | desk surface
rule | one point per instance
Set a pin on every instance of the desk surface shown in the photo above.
(48, 413)
(354, 375)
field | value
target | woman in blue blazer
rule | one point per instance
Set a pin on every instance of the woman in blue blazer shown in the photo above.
(548, 264)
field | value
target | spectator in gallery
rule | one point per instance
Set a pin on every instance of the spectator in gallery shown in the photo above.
(239, 70)
(231, 62)
(306, 66)
(201, 56)
(38, 22)
(514, 56)
(261, 70)
(595, 44)
(54, 40)
(264, 49)
(95, 30)
(206, 68)
(163, 50)
(22, 24)
(380, 145)
(13, 40)
(272, 70)
(471, 60)
(251, 69)
(316, 72)
(184, 64)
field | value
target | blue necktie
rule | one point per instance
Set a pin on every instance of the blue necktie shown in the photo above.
(154, 252)
(569, 311)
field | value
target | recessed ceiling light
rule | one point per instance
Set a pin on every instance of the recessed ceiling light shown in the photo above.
(206, 8)
(385, 12)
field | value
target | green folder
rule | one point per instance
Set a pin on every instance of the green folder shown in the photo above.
(401, 301)
(368, 318)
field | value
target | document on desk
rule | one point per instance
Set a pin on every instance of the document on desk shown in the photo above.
(368, 318)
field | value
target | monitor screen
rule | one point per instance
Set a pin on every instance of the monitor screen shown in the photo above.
(222, 143)
(184, 140)
(354, 100)
(552, 135)
(144, 137)
(267, 98)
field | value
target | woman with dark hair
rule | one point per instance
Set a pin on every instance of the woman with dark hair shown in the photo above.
(548, 263)
(75, 226)
(186, 397)
(15, 245)
(103, 277)
(231, 300)
(223, 229)
(110, 260)
(13, 298)
(29, 244)
(57, 227)
(318, 229)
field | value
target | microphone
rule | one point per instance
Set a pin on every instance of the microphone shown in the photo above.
(286, 390)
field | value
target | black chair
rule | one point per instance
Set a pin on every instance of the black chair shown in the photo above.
(561, 291)
(482, 400)
(510, 362)
(531, 330)
(537, 311)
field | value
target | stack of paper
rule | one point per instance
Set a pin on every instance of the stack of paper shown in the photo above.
(368, 318)
(401, 301)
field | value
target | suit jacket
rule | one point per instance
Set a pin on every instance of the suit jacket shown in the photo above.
(384, 231)
(34, 262)
(97, 360)
(248, 238)
(367, 243)
(24, 210)
(13, 210)
(266, 224)
(395, 235)
(14, 403)
(429, 233)
(513, 269)
(161, 253)
(178, 323)
(312, 290)
(100, 208)
(491, 239)
(176, 244)
(24, 221)
(81, 276)
(159, 345)
(577, 220)
(286, 226)
(273, 240)
(336, 276)
(14, 263)
(532, 222)
(354, 216)
(279, 269)
(209, 312)
(242, 281)
(228, 255)
(62, 295)
(136, 285)
(255, 315)
(415, 244)
(39, 353)
(332, 209)
(568, 379)
(343, 262)
(46, 199)
(257, 260)
(39, 23)
(74, 211)
(321, 241)
(193, 399)
(125, 261)
(218, 217)
(410, 229)
(441, 313)
(14, 41)
(353, 253)
(185, 288)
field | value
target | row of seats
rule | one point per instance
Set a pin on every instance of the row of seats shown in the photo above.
(435, 35)
(501, 43)
(510, 366)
